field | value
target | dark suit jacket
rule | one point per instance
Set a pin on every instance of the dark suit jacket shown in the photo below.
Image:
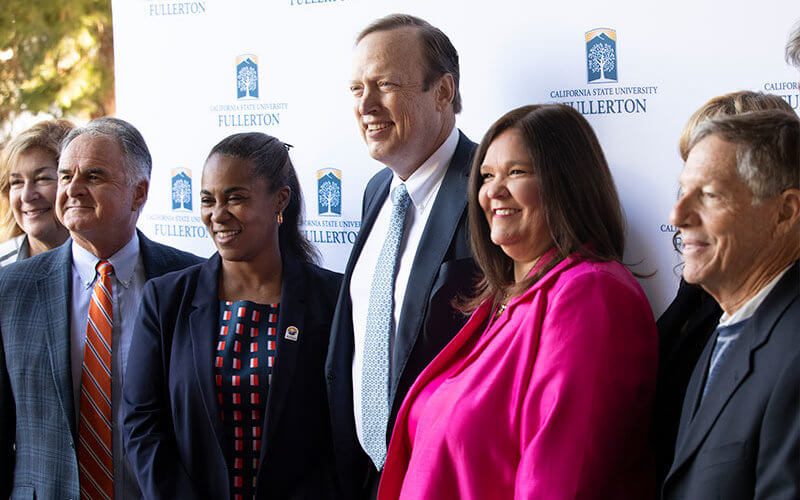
(443, 268)
(683, 331)
(743, 440)
(172, 426)
(36, 403)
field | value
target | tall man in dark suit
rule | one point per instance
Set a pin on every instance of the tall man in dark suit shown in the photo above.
(739, 218)
(412, 255)
(66, 319)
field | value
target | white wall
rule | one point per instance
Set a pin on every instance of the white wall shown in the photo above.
(176, 82)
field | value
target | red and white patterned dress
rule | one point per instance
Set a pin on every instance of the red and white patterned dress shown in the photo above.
(245, 356)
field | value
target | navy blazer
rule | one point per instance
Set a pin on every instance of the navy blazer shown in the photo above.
(173, 432)
(37, 413)
(743, 440)
(443, 268)
(683, 331)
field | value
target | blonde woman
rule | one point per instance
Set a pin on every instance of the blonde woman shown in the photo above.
(28, 182)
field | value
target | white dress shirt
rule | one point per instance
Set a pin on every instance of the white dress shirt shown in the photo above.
(127, 283)
(422, 186)
(752, 305)
(14, 249)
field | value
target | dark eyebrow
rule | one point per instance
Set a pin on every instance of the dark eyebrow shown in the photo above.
(227, 191)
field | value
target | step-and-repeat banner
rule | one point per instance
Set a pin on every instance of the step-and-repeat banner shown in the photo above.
(189, 73)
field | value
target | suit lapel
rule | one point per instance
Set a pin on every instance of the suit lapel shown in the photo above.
(450, 204)
(692, 396)
(292, 313)
(730, 376)
(341, 343)
(203, 323)
(153, 263)
(737, 366)
(338, 365)
(371, 211)
(53, 287)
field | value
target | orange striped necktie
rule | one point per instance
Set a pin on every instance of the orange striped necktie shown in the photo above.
(95, 460)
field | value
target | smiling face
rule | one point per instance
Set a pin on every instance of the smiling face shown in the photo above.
(726, 236)
(95, 202)
(32, 196)
(239, 210)
(401, 123)
(509, 197)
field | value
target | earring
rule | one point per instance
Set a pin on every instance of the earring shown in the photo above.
(280, 218)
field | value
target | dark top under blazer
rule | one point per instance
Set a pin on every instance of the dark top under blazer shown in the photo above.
(442, 269)
(743, 440)
(172, 426)
(683, 331)
(36, 403)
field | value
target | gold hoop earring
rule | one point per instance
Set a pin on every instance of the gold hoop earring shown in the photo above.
(280, 218)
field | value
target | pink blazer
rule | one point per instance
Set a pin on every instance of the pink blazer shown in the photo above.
(552, 401)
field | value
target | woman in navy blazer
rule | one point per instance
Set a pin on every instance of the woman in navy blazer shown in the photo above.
(224, 394)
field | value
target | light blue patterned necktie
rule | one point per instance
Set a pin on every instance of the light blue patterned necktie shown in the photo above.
(375, 371)
(726, 336)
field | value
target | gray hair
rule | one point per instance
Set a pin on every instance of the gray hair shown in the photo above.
(767, 148)
(793, 46)
(137, 160)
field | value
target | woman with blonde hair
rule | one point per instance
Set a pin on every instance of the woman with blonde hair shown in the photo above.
(28, 183)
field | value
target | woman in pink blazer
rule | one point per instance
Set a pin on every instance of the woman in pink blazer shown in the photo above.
(547, 391)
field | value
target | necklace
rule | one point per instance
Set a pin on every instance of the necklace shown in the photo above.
(500, 309)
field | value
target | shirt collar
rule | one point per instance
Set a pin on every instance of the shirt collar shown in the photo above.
(124, 262)
(422, 183)
(750, 307)
(24, 248)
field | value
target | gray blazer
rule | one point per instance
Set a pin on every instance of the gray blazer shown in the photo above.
(743, 440)
(38, 457)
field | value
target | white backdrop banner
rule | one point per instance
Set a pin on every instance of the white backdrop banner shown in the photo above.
(189, 73)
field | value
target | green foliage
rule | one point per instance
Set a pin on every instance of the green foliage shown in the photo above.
(56, 56)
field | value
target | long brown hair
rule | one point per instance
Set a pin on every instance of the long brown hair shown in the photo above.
(578, 198)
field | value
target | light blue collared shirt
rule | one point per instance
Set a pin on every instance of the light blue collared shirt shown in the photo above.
(127, 283)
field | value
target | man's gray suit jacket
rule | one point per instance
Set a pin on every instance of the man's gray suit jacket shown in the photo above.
(38, 436)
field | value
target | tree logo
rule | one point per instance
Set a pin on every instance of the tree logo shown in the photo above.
(181, 190)
(329, 192)
(246, 77)
(601, 55)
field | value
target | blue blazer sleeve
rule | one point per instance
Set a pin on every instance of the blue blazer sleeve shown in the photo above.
(173, 433)
(148, 429)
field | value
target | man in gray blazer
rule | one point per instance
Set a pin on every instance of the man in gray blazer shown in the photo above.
(739, 219)
(412, 255)
(66, 319)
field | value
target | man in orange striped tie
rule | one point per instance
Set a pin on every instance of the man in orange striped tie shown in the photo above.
(66, 320)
